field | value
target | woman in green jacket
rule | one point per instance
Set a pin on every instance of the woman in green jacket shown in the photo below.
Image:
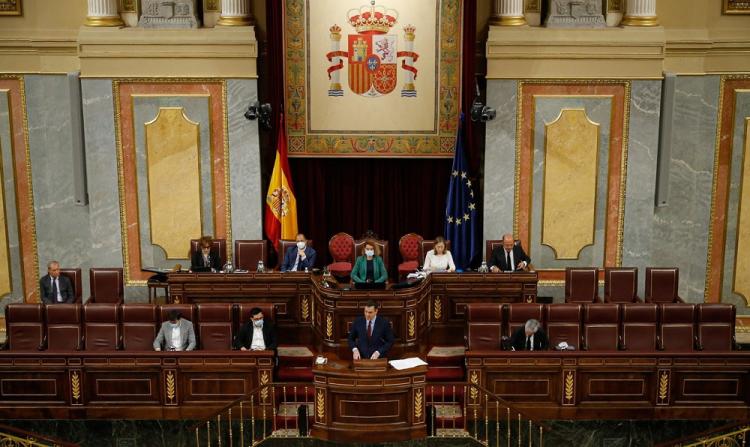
(369, 267)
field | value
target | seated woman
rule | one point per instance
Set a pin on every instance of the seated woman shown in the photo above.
(439, 259)
(205, 259)
(369, 267)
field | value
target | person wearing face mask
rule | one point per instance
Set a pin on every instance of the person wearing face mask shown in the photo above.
(300, 257)
(257, 334)
(369, 268)
(205, 259)
(176, 334)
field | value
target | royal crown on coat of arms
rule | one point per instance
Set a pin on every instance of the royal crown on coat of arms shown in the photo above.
(372, 54)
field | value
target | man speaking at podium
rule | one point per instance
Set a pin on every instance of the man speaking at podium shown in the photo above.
(371, 336)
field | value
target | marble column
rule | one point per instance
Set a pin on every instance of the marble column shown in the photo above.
(235, 13)
(640, 13)
(507, 13)
(103, 13)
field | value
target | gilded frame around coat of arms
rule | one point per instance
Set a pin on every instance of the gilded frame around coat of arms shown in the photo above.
(372, 78)
(735, 7)
(11, 7)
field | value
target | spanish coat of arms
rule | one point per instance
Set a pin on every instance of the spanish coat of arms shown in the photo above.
(372, 54)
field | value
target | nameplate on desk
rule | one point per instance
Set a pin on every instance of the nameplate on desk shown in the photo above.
(371, 365)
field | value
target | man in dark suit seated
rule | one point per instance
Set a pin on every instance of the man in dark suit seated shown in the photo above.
(299, 258)
(508, 258)
(530, 337)
(258, 334)
(371, 336)
(55, 289)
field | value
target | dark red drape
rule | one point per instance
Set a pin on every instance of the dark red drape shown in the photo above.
(391, 197)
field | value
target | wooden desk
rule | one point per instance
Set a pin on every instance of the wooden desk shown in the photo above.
(435, 308)
(369, 406)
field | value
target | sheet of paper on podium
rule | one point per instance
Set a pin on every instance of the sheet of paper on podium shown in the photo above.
(411, 362)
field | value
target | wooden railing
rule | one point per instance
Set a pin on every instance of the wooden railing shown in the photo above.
(11, 436)
(481, 416)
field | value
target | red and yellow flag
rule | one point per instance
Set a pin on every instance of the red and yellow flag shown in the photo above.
(281, 205)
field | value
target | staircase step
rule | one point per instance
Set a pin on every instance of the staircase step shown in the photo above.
(452, 433)
(298, 356)
(286, 415)
(445, 373)
(294, 374)
(446, 356)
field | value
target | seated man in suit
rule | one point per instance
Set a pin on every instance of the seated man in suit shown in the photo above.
(176, 334)
(371, 337)
(257, 334)
(299, 258)
(508, 258)
(530, 337)
(55, 289)
(205, 258)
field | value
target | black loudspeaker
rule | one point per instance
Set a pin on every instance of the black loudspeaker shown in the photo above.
(302, 420)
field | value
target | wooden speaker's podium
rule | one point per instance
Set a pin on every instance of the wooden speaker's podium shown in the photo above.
(369, 402)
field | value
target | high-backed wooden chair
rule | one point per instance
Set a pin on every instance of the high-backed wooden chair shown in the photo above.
(563, 324)
(716, 327)
(217, 246)
(247, 253)
(662, 285)
(359, 246)
(409, 247)
(621, 285)
(106, 285)
(76, 280)
(428, 244)
(215, 326)
(101, 327)
(601, 327)
(581, 285)
(677, 327)
(63, 327)
(341, 249)
(25, 326)
(484, 326)
(639, 323)
(139, 325)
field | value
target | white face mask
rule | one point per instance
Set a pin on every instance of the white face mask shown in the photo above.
(301, 245)
(370, 252)
(258, 323)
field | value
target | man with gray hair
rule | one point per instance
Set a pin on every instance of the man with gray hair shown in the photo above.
(55, 288)
(530, 337)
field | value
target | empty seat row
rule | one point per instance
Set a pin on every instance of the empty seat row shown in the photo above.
(674, 327)
(130, 327)
(621, 285)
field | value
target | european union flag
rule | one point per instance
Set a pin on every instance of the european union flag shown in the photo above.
(461, 209)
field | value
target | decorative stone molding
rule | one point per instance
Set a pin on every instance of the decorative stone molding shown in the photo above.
(103, 13)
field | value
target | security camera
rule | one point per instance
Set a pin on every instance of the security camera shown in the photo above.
(261, 112)
(481, 112)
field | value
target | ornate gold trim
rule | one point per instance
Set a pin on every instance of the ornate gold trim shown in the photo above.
(438, 308)
(569, 389)
(320, 405)
(627, 84)
(714, 187)
(329, 325)
(171, 391)
(104, 21)
(235, 21)
(411, 325)
(116, 84)
(75, 387)
(532, 6)
(639, 21)
(27, 290)
(305, 308)
(474, 391)
(265, 377)
(418, 403)
(662, 396)
(726, 8)
(508, 21)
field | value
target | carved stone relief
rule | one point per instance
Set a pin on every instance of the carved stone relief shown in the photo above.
(575, 14)
(168, 14)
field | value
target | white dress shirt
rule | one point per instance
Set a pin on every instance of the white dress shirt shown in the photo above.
(176, 340)
(56, 286)
(438, 263)
(258, 344)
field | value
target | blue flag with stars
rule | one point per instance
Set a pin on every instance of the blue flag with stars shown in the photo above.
(461, 209)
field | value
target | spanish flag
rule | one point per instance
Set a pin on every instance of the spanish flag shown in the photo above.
(281, 205)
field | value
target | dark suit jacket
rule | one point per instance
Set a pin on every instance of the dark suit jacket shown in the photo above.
(197, 260)
(245, 337)
(518, 340)
(498, 258)
(381, 341)
(291, 256)
(66, 290)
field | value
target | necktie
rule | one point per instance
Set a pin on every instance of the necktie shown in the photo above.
(206, 262)
(296, 264)
(528, 343)
(507, 261)
(54, 289)
(369, 329)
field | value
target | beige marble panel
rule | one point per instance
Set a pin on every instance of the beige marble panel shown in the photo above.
(174, 189)
(570, 175)
(742, 257)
